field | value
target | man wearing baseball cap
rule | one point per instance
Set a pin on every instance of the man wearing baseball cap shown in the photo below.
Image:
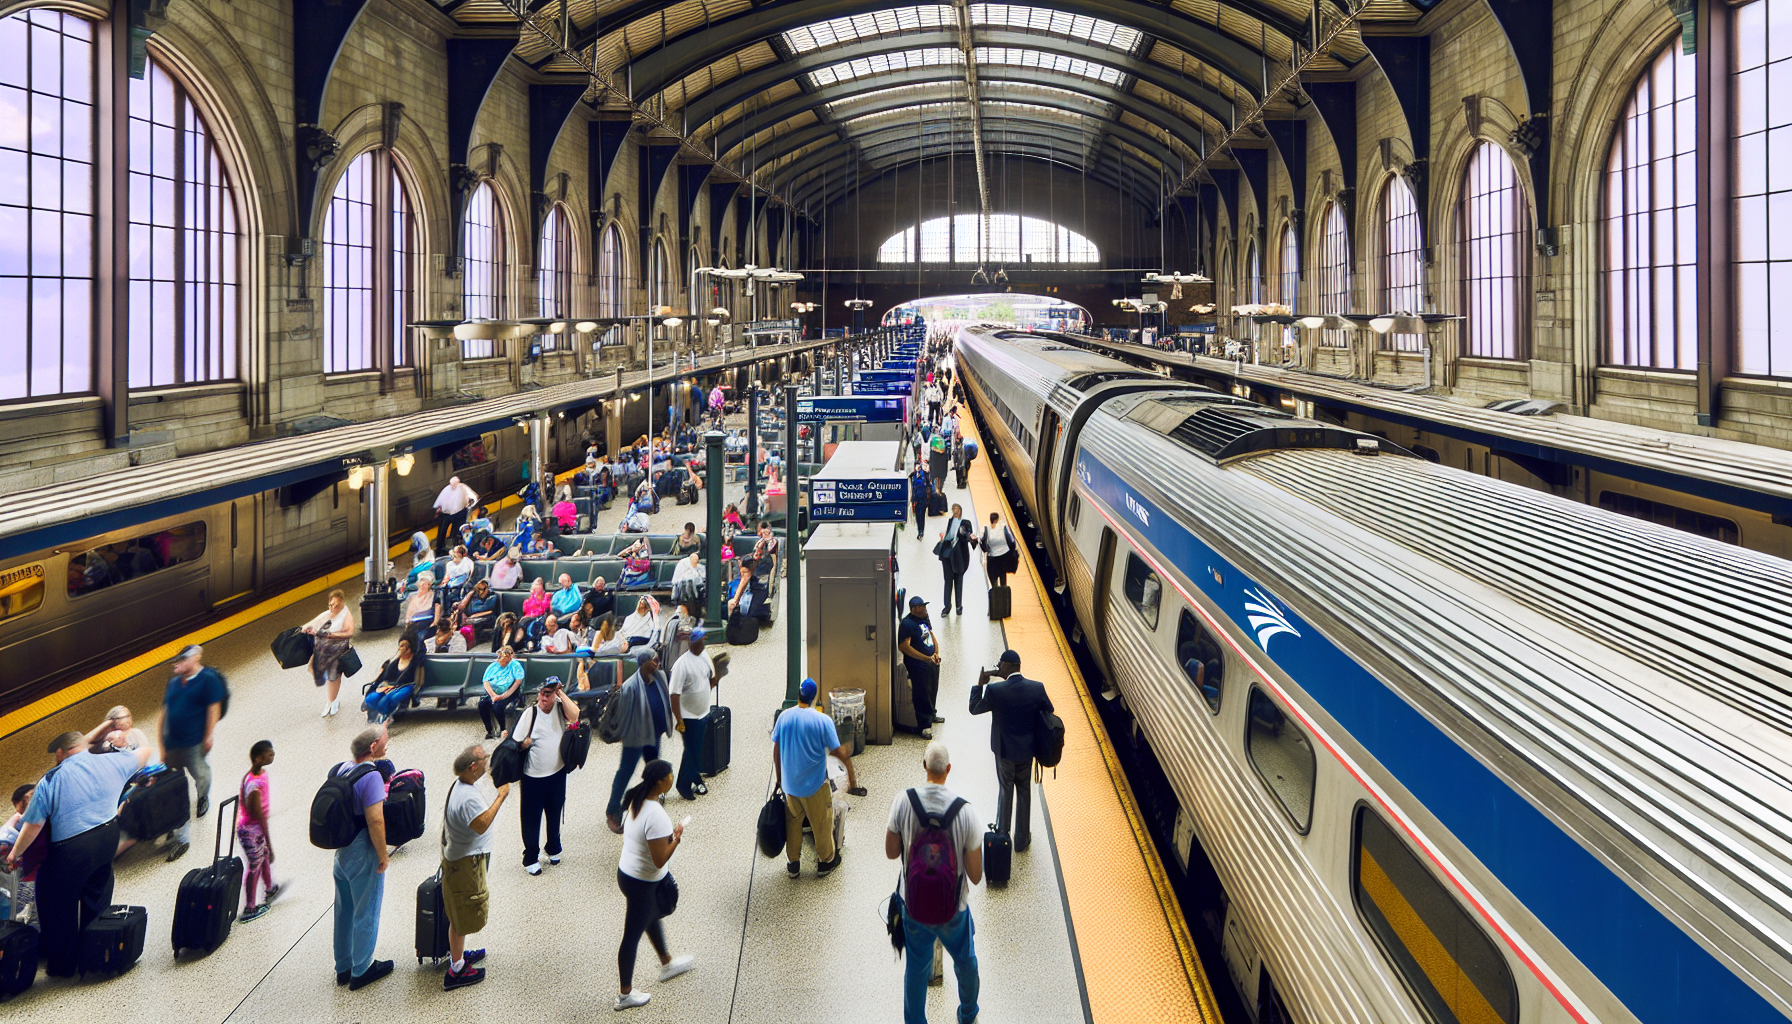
(920, 656)
(544, 774)
(646, 717)
(191, 707)
(802, 739)
(693, 689)
(1016, 702)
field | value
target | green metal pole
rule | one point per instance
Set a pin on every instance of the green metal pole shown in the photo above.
(793, 551)
(712, 545)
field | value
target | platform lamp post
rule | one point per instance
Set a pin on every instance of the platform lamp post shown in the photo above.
(753, 450)
(793, 554)
(712, 544)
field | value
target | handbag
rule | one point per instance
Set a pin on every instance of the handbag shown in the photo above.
(506, 760)
(893, 918)
(665, 895)
(349, 663)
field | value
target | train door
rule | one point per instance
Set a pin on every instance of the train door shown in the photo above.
(1043, 454)
(233, 560)
(1099, 589)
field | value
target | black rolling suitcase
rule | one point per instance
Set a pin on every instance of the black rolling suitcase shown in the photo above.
(936, 503)
(998, 856)
(718, 741)
(206, 905)
(18, 957)
(1001, 602)
(432, 920)
(113, 941)
(687, 494)
(156, 806)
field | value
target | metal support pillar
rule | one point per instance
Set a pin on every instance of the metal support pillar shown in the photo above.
(379, 527)
(793, 554)
(815, 389)
(752, 452)
(712, 543)
(538, 435)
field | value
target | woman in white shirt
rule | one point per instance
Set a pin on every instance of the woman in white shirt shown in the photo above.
(118, 731)
(648, 841)
(640, 626)
(333, 630)
(1001, 556)
(458, 572)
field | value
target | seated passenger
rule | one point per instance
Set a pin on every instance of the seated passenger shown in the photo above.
(555, 638)
(637, 568)
(487, 548)
(393, 686)
(509, 633)
(422, 610)
(457, 574)
(540, 547)
(538, 602)
(689, 581)
(569, 598)
(507, 572)
(635, 521)
(567, 514)
(446, 640)
(640, 627)
(747, 595)
(479, 608)
(600, 601)
(580, 628)
(481, 519)
(608, 643)
(688, 541)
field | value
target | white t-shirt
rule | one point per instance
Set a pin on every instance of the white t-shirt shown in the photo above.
(560, 641)
(458, 571)
(464, 804)
(637, 859)
(690, 684)
(995, 541)
(966, 834)
(546, 730)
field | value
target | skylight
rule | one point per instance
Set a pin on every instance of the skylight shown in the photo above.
(883, 63)
(837, 31)
(1048, 61)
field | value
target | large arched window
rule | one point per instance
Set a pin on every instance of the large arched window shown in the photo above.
(357, 269)
(1289, 288)
(659, 287)
(1253, 273)
(1495, 230)
(553, 270)
(482, 273)
(609, 274)
(1011, 239)
(1761, 113)
(184, 264)
(1651, 293)
(1334, 271)
(46, 207)
(1402, 284)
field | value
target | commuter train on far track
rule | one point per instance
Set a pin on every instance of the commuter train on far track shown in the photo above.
(1457, 750)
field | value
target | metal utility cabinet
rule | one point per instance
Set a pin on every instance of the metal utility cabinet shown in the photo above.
(851, 628)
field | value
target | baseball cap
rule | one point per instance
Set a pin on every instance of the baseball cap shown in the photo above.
(698, 634)
(550, 682)
(189, 651)
(808, 689)
(1011, 658)
(917, 601)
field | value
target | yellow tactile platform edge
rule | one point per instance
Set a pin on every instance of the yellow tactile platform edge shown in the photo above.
(75, 693)
(1114, 889)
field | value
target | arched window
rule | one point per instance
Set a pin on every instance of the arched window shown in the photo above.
(356, 269)
(184, 264)
(1651, 293)
(553, 271)
(1496, 225)
(46, 211)
(1012, 239)
(1762, 177)
(1402, 286)
(1334, 272)
(1289, 294)
(1253, 273)
(658, 292)
(609, 274)
(482, 274)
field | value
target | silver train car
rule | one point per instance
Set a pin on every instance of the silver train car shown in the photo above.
(1457, 750)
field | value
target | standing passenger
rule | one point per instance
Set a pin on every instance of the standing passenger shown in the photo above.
(544, 774)
(648, 841)
(252, 832)
(359, 869)
(333, 629)
(802, 739)
(937, 823)
(191, 707)
(693, 684)
(646, 716)
(466, 854)
(920, 658)
(1017, 702)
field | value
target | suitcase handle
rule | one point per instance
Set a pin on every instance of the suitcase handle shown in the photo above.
(222, 818)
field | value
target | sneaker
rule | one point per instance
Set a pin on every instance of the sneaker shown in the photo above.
(678, 966)
(927, 734)
(327, 711)
(467, 975)
(827, 867)
(341, 977)
(630, 1001)
(533, 869)
(177, 851)
(937, 720)
(553, 858)
(473, 956)
(701, 789)
(205, 804)
(374, 972)
(259, 910)
(795, 868)
(335, 706)
(274, 892)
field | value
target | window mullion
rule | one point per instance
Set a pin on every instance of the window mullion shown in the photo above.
(380, 302)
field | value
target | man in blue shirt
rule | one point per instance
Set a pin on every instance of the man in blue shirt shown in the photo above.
(78, 801)
(802, 739)
(191, 708)
(568, 599)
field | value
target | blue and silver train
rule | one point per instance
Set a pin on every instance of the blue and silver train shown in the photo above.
(1457, 750)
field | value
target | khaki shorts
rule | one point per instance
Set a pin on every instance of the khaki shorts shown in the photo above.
(464, 893)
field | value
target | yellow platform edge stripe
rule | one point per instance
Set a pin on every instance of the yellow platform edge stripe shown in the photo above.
(75, 693)
(1199, 986)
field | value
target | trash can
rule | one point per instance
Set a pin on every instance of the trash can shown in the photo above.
(379, 608)
(848, 710)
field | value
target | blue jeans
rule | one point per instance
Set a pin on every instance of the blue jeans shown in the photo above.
(359, 888)
(383, 704)
(956, 936)
(625, 774)
(690, 765)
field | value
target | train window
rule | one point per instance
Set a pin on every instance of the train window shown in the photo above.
(1283, 756)
(1200, 657)
(1076, 509)
(1143, 588)
(1663, 514)
(1454, 970)
(21, 590)
(101, 567)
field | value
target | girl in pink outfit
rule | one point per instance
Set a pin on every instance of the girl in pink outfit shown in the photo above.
(252, 832)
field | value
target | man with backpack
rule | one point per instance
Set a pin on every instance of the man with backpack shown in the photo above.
(348, 815)
(191, 708)
(1017, 704)
(933, 831)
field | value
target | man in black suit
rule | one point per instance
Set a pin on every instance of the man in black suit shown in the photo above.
(1016, 702)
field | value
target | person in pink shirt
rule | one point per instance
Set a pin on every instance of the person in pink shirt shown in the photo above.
(252, 831)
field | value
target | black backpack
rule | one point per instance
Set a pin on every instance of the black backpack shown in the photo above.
(575, 745)
(336, 819)
(1048, 740)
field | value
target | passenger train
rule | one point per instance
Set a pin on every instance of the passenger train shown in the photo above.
(1458, 750)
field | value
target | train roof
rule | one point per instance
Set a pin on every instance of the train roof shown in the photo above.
(1224, 427)
(1632, 680)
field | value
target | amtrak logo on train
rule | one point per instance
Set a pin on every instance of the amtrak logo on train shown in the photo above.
(1138, 510)
(1266, 619)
